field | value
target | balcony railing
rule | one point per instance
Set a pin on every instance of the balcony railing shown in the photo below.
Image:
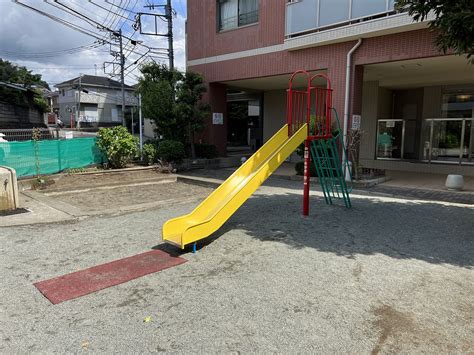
(303, 16)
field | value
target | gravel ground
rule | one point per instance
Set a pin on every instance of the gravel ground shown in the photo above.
(387, 276)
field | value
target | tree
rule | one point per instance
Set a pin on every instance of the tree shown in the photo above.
(453, 23)
(173, 100)
(190, 110)
(15, 74)
(157, 86)
(12, 73)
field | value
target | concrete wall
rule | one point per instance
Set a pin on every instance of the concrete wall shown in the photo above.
(368, 124)
(274, 112)
(16, 116)
(274, 116)
(432, 102)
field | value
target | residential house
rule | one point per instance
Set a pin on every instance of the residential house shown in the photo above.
(94, 101)
(414, 104)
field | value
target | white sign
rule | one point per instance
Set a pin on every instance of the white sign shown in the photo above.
(217, 118)
(356, 122)
(390, 124)
(68, 135)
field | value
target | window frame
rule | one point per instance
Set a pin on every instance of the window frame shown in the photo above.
(239, 25)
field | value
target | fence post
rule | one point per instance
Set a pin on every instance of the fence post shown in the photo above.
(58, 141)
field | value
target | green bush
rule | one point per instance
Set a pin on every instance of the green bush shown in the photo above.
(206, 151)
(118, 145)
(171, 151)
(149, 153)
(299, 167)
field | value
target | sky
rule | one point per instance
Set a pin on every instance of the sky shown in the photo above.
(60, 53)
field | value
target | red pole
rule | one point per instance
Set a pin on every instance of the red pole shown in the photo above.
(307, 163)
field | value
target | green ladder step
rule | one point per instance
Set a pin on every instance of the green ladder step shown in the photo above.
(325, 157)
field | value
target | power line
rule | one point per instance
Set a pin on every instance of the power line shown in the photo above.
(118, 6)
(64, 22)
(71, 67)
(109, 11)
(49, 54)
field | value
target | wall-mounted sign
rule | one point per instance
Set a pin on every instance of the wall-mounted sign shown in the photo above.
(356, 122)
(217, 118)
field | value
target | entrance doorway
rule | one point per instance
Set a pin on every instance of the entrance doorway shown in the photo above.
(244, 127)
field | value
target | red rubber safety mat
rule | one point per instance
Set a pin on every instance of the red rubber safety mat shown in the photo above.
(80, 283)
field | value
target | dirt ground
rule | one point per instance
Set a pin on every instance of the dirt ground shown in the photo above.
(110, 192)
(103, 199)
(67, 182)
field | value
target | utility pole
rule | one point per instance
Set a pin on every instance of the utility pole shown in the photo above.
(169, 17)
(169, 12)
(140, 124)
(78, 107)
(133, 128)
(122, 66)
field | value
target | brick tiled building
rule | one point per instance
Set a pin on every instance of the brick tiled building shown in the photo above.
(416, 105)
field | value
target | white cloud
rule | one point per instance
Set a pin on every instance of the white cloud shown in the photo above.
(27, 37)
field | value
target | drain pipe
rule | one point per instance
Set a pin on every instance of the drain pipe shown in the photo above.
(346, 101)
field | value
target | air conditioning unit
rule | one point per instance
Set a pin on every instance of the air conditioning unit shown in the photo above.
(8, 189)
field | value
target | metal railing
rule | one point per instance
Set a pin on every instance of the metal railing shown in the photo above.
(26, 134)
(18, 135)
(448, 145)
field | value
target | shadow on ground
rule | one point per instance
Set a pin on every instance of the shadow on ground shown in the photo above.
(403, 230)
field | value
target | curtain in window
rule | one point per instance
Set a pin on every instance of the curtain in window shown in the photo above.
(228, 14)
(247, 6)
(248, 11)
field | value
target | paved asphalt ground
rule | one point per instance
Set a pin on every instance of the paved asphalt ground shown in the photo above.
(389, 275)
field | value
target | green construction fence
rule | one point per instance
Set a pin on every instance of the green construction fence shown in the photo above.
(52, 155)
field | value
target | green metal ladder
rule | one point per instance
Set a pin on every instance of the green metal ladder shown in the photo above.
(330, 170)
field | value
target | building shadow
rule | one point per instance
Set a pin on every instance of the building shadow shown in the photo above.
(403, 230)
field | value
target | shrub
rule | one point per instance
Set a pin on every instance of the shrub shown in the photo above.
(118, 145)
(299, 167)
(206, 151)
(171, 151)
(149, 153)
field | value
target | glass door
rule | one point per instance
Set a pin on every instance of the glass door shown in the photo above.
(449, 140)
(468, 143)
(390, 139)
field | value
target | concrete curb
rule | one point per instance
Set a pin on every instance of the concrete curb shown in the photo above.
(200, 181)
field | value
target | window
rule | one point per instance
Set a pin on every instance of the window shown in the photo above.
(235, 13)
(458, 104)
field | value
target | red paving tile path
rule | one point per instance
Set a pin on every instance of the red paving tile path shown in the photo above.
(96, 278)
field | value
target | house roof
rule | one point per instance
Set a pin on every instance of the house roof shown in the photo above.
(92, 80)
(13, 86)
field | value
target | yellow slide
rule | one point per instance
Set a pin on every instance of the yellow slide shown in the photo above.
(217, 208)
